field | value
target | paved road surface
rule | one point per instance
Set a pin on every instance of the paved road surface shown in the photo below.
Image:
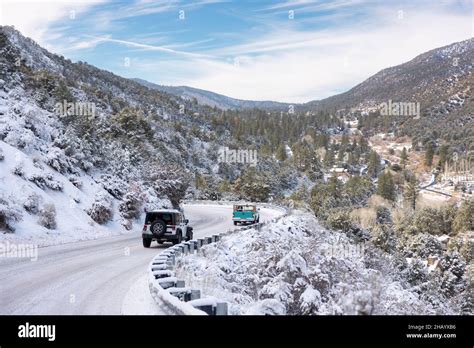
(104, 276)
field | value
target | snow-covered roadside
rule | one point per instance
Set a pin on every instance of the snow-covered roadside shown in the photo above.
(73, 222)
(219, 223)
(138, 300)
(295, 266)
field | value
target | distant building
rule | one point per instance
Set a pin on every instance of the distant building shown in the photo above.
(341, 173)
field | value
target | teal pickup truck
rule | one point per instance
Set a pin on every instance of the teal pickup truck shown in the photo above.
(245, 213)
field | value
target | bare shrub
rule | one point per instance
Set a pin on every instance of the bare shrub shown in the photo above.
(43, 181)
(101, 210)
(366, 217)
(31, 203)
(47, 216)
(378, 201)
(9, 214)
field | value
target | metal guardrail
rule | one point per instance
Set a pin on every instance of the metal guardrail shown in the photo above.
(171, 294)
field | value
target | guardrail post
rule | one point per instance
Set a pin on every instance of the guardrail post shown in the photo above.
(200, 242)
(209, 240)
(192, 246)
(187, 247)
(180, 283)
(159, 267)
(162, 274)
(195, 294)
(208, 309)
(221, 308)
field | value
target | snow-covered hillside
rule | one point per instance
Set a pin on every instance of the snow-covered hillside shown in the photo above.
(295, 266)
(28, 187)
(109, 145)
(73, 176)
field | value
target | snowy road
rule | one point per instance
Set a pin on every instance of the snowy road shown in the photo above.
(104, 276)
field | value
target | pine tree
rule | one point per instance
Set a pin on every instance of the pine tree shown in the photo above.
(411, 190)
(252, 185)
(464, 220)
(345, 141)
(335, 187)
(429, 155)
(443, 152)
(170, 180)
(200, 182)
(364, 145)
(352, 160)
(374, 164)
(404, 157)
(224, 186)
(340, 154)
(386, 186)
(354, 144)
(329, 157)
(62, 94)
(281, 153)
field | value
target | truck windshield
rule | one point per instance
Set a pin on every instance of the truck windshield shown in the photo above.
(244, 208)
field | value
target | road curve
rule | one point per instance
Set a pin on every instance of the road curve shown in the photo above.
(103, 276)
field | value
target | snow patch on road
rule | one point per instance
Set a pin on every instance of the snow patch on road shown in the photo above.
(138, 300)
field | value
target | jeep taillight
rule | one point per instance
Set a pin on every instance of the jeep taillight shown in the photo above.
(144, 227)
(173, 228)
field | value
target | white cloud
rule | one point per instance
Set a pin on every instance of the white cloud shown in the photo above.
(297, 66)
(290, 4)
(285, 64)
(152, 47)
(34, 17)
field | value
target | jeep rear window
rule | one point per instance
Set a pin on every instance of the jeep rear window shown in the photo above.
(244, 208)
(166, 217)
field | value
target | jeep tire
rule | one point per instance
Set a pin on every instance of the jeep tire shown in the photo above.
(158, 228)
(179, 237)
(189, 233)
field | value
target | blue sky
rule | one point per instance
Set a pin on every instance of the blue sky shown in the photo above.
(290, 50)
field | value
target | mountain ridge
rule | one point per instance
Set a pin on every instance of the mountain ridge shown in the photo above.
(368, 93)
(213, 99)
